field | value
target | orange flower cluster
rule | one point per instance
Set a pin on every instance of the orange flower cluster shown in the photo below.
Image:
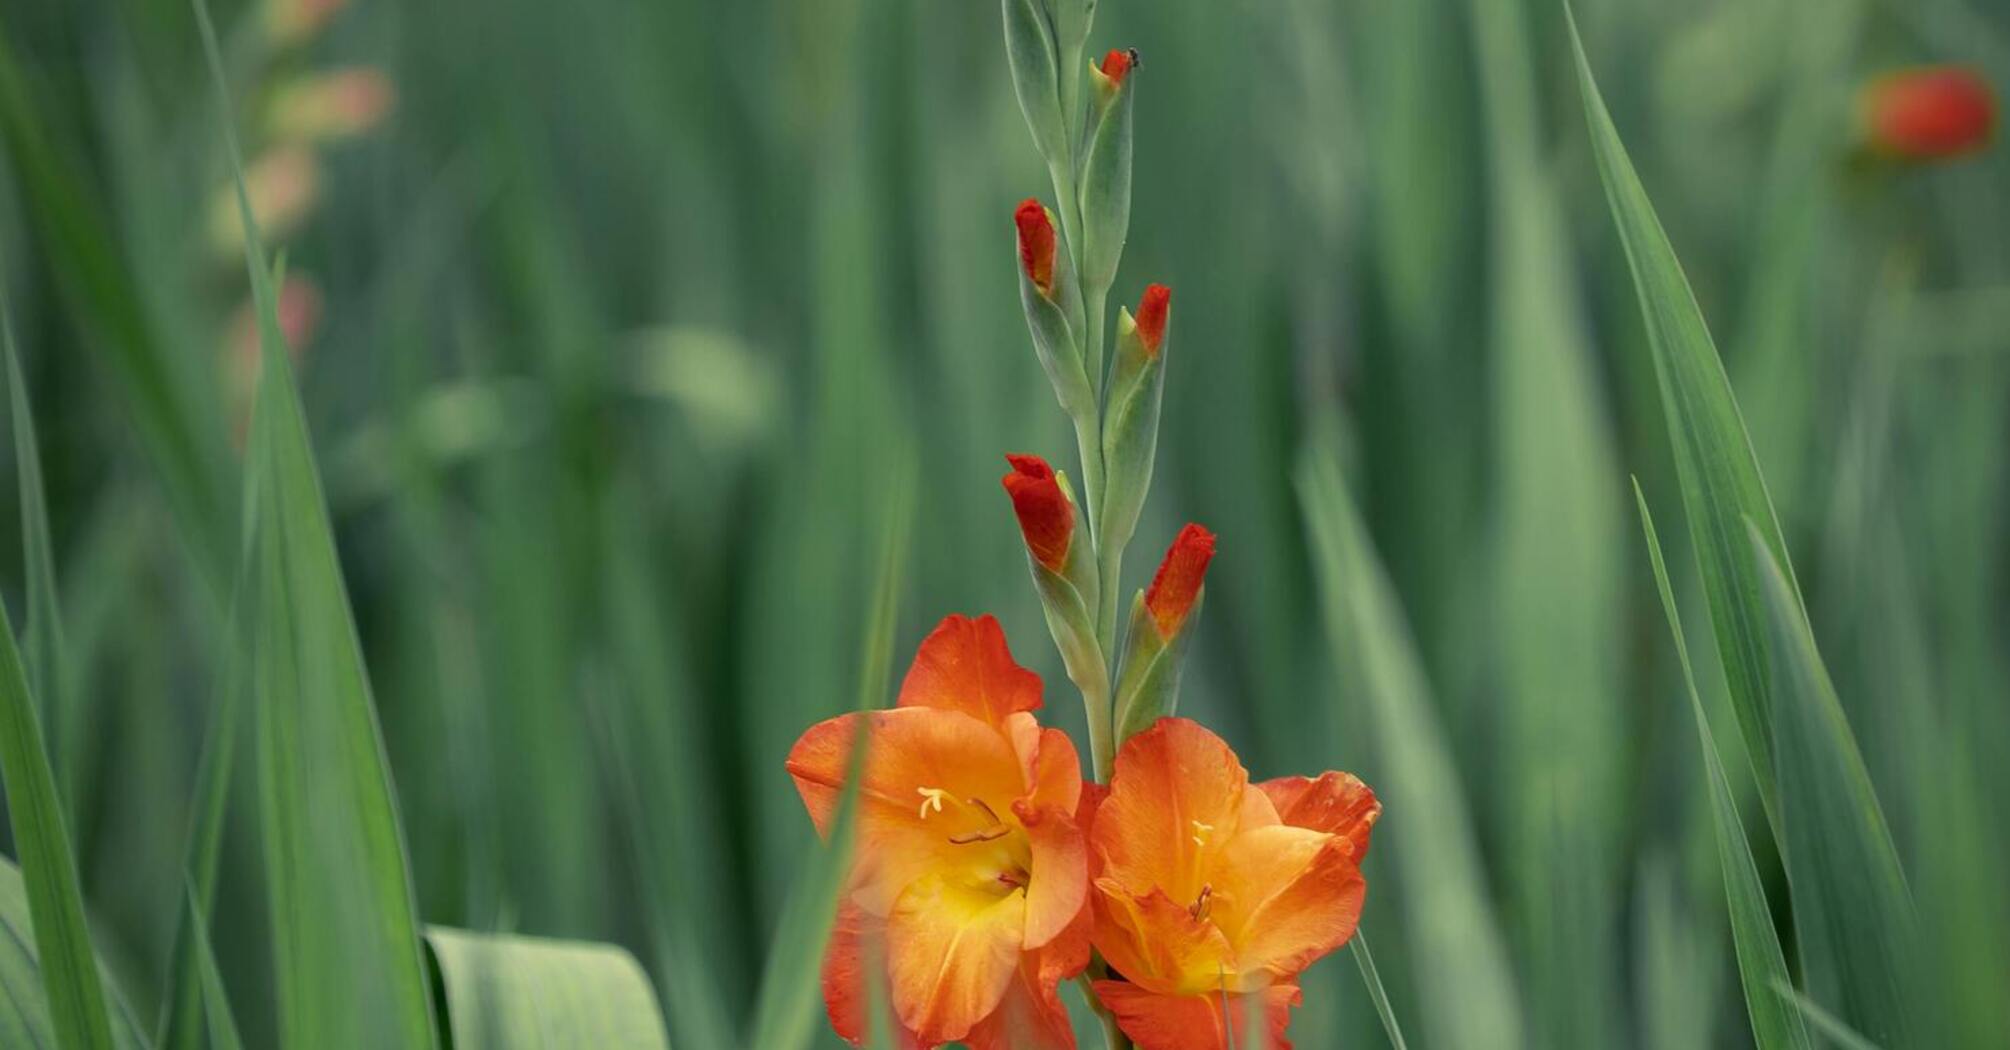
(986, 868)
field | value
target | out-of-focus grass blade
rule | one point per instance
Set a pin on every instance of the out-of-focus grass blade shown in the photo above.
(222, 1026)
(189, 452)
(1720, 480)
(785, 1011)
(1373, 979)
(34, 806)
(519, 993)
(344, 921)
(1832, 1027)
(1761, 965)
(1852, 909)
(44, 637)
(1556, 569)
(1457, 949)
(182, 1008)
(24, 1008)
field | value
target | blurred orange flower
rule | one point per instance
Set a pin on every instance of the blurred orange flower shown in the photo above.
(1211, 895)
(1932, 113)
(970, 878)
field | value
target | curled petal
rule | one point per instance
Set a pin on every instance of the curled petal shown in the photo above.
(952, 950)
(1053, 767)
(1159, 943)
(1057, 886)
(1333, 802)
(1196, 1022)
(964, 665)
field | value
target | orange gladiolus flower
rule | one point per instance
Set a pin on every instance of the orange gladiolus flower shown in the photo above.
(1211, 895)
(1934, 113)
(970, 879)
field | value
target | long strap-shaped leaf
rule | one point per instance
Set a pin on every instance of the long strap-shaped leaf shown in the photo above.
(1762, 967)
(1851, 905)
(344, 920)
(528, 993)
(1721, 483)
(35, 810)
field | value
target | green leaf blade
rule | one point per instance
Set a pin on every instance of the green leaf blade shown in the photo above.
(1852, 908)
(34, 804)
(1762, 966)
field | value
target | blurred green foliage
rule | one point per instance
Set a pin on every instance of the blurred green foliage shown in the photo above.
(628, 312)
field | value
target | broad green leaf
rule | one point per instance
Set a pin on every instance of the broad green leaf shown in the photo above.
(526, 993)
(1761, 965)
(348, 966)
(1456, 946)
(1720, 479)
(34, 806)
(786, 1013)
(1853, 912)
(25, 1019)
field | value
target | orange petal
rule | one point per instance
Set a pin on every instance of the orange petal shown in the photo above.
(910, 749)
(964, 665)
(1335, 802)
(1058, 882)
(858, 942)
(1031, 1016)
(1288, 896)
(1176, 797)
(1195, 1022)
(953, 949)
(1159, 943)
(1053, 767)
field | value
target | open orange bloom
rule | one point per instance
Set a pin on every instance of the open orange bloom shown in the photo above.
(970, 878)
(1211, 895)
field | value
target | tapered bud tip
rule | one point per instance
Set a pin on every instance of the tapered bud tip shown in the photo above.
(1933, 113)
(1036, 244)
(1152, 310)
(1046, 517)
(1118, 64)
(1177, 584)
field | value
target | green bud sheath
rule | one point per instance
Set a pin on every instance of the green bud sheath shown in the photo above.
(1106, 171)
(1130, 431)
(1054, 338)
(1034, 56)
(1148, 684)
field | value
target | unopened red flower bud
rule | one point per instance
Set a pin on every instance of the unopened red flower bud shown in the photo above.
(1036, 244)
(1151, 317)
(1118, 64)
(1932, 113)
(1046, 516)
(1172, 593)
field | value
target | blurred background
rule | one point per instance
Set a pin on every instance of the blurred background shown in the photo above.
(613, 319)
